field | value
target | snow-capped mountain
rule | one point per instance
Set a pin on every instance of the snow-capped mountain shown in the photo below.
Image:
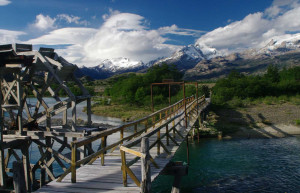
(277, 45)
(199, 59)
(282, 44)
(188, 56)
(120, 64)
(110, 67)
(283, 51)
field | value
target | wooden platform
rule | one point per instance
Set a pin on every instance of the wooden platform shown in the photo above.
(108, 178)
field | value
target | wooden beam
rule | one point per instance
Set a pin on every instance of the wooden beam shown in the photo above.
(133, 152)
(146, 169)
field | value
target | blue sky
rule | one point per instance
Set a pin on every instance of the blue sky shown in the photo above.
(86, 32)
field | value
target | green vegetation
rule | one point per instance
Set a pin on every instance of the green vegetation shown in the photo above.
(129, 96)
(135, 89)
(297, 122)
(238, 90)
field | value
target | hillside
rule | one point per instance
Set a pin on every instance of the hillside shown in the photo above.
(220, 66)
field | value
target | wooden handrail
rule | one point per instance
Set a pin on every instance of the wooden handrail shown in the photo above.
(125, 148)
(174, 109)
(88, 139)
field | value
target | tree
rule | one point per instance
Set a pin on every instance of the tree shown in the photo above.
(272, 74)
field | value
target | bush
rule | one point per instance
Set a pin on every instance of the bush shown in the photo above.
(272, 84)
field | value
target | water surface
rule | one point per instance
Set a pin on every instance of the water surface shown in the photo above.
(246, 165)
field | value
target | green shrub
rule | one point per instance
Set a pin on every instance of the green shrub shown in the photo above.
(273, 84)
(236, 102)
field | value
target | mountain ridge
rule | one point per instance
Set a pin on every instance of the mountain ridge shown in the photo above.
(199, 61)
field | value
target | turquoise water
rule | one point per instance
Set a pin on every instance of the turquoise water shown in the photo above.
(246, 165)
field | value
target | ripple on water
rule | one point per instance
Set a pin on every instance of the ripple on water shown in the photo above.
(250, 165)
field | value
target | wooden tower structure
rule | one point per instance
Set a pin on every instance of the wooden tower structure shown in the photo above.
(26, 74)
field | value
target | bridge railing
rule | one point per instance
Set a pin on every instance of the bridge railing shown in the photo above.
(149, 121)
(163, 131)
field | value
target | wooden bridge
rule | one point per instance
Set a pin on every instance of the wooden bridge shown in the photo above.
(92, 160)
(119, 170)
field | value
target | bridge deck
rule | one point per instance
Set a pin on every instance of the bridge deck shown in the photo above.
(108, 178)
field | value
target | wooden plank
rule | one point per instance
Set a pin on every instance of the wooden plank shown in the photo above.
(136, 153)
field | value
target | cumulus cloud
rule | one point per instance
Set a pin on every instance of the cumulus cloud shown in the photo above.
(121, 35)
(281, 18)
(4, 2)
(43, 22)
(127, 35)
(8, 36)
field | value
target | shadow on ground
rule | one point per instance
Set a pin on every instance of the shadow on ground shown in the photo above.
(240, 124)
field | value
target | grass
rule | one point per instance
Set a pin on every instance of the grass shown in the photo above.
(125, 112)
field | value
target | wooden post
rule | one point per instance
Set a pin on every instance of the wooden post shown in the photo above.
(169, 94)
(48, 121)
(89, 112)
(82, 153)
(2, 168)
(160, 116)
(173, 126)
(65, 118)
(166, 114)
(73, 163)
(167, 131)
(199, 121)
(152, 102)
(146, 126)
(135, 128)
(73, 116)
(26, 165)
(49, 156)
(20, 109)
(187, 150)
(19, 177)
(124, 173)
(145, 164)
(158, 143)
(121, 134)
(103, 145)
(176, 184)
(42, 177)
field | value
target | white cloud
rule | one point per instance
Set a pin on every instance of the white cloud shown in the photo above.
(65, 36)
(72, 19)
(281, 18)
(44, 22)
(174, 29)
(121, 35)
(126, 35)
(8, 36)
(4, 2)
